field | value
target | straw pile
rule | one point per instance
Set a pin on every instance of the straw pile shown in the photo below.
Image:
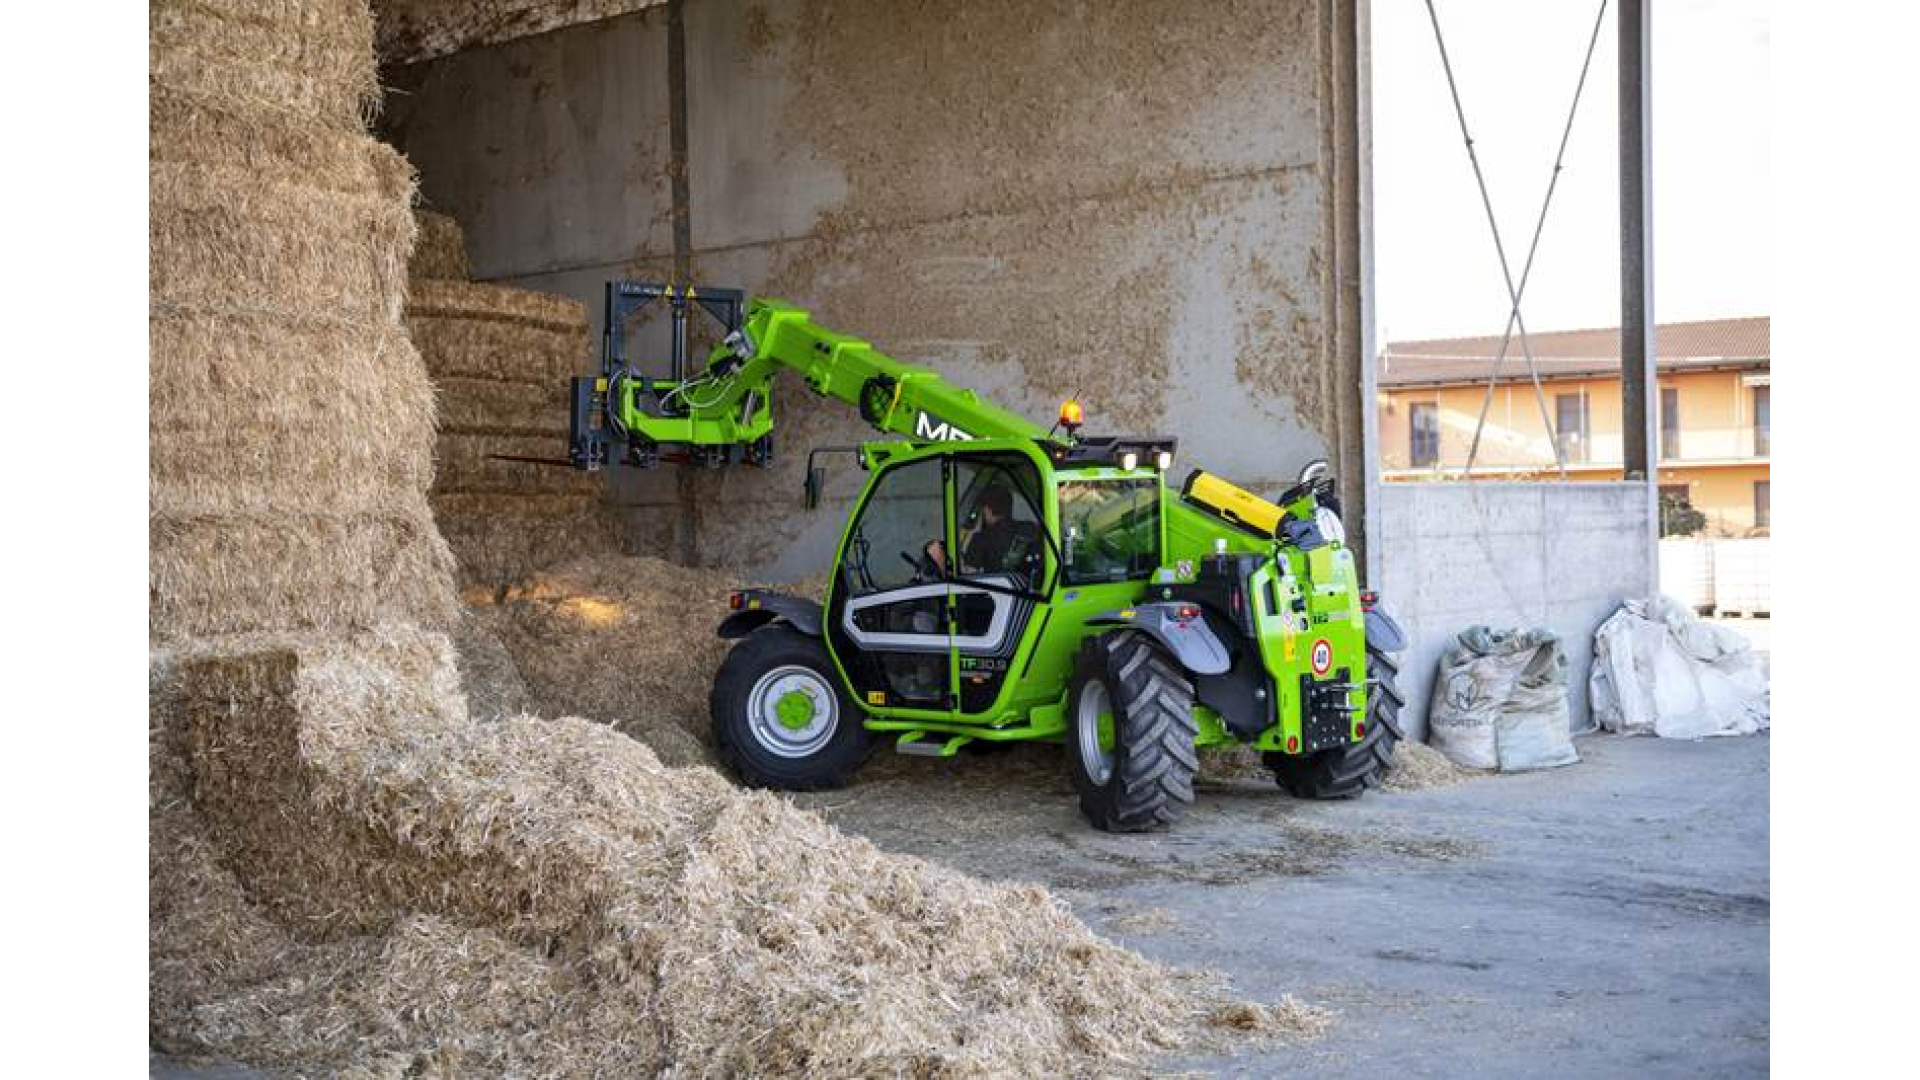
(501, 359)
(1417, 767)
(628, 641)
(543, 897)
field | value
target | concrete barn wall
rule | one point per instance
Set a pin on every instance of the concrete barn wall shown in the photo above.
(1152, 205)
(1557, 555)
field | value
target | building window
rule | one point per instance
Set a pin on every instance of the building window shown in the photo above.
(1424, 418)
(1762, 504)
(1763, 421)
(1570, 425)
(1669, 423)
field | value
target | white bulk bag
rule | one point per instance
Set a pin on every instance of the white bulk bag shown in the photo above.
(1660, 670)
(1500, 701)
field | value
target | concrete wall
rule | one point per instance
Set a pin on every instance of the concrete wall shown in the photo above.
(1151, 205)
(1510, 554)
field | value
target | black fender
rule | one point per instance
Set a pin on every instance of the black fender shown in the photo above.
(755, 608)
(1383, 633)
(1189, 639)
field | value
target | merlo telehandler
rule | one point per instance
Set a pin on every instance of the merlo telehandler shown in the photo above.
(999, 581)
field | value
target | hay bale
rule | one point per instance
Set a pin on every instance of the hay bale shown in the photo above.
(296, 571)
(495, 407)
(221, 239)
(250, 414)
(310, 61)
(491, 332)
(441, 252)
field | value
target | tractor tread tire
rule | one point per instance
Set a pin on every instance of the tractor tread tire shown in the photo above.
(1347, 772)
(757, 653)
(1151, 785)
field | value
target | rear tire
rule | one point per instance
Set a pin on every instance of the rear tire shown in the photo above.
(780, 717)
(1347, 772)
(1144, 778)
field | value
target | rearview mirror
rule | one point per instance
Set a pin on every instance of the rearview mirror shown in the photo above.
(1314, 470)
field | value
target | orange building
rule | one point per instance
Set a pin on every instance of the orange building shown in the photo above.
(1714, 414)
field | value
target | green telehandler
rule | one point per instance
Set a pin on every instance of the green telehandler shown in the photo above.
(1000, 582)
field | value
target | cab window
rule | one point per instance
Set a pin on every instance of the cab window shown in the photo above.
(1110, 529)
(907, 509)
(997, 522)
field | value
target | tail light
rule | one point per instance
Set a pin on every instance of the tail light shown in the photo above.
(1368, 599)
(736, 601)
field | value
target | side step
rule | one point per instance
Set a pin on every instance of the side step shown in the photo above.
(929, 744)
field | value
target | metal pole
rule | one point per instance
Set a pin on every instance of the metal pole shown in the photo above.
(1639, 377)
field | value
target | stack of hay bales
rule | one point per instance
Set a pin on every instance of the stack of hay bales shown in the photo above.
(289, 419)
(501, 359)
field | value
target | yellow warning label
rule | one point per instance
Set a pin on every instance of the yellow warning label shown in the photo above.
(876, 697)
(600, 385)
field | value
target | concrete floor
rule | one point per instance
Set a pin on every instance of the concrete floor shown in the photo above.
(1606, 919)
(1602, 920)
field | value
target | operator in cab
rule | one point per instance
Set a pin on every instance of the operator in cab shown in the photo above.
(986, 548)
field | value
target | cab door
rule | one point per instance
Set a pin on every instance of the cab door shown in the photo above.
(1004, 558)
(888, 622)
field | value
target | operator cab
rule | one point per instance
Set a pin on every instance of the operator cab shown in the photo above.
(955, 547)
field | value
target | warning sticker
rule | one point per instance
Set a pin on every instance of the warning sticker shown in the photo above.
(1322, 656)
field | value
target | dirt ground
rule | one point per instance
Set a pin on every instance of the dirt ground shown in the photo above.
(1601, 920)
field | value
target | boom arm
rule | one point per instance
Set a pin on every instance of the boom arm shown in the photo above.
(726, 405)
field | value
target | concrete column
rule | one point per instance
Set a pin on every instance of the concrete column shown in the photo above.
(1639, 382)
(1639, 351)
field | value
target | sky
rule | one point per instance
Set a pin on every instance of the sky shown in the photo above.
(1517, 62)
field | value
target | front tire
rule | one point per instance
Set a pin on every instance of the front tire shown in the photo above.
(1346, 772)
(1130, 733)
(780, 718)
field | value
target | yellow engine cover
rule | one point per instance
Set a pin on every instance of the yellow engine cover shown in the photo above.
(1236, 504)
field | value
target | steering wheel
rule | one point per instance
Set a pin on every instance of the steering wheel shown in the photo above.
(924, 568)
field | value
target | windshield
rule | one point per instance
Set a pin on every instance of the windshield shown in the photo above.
(1111, 529)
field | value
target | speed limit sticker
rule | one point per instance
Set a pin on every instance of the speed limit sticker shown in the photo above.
(1322, 656)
